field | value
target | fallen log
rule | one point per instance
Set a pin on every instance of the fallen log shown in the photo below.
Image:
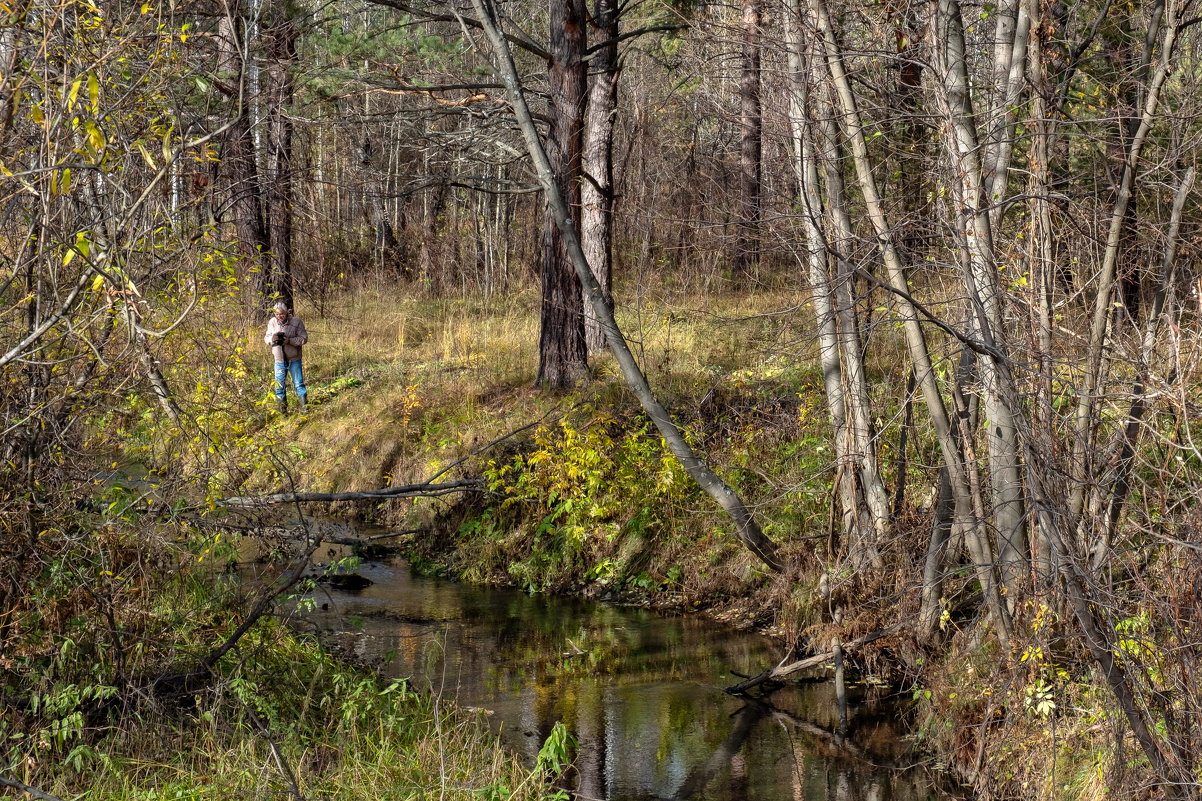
(817, 660)
(326, 532)
(407, 491)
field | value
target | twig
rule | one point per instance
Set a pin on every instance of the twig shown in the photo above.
(280, 762)
(261, 608)
(32, 792)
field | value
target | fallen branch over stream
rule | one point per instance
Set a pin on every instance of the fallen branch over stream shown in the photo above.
(783, 670)
(426, 490)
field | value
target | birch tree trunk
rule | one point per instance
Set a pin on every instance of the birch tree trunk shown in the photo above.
(966, 518)
(862, 496)
(1012, 35)
(1119, 484)
(1085, 422)
(983, 291)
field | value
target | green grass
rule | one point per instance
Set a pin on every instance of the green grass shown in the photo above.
(403, 386)
(277, 715)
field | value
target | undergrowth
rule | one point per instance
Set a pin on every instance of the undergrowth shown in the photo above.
(106, 691)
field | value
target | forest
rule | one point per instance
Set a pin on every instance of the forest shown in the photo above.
(873, 325)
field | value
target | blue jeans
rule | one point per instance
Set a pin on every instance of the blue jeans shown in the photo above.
(298, 378)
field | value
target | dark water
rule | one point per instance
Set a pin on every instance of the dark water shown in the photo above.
(642, 692)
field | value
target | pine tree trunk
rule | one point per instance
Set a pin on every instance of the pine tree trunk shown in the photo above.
(747, 239)
(596, 191)
(280, 40)
(563, 353)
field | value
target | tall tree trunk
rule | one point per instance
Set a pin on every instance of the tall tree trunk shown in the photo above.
(597, 189)
(238, 162)
(1042, 282)
(909, 136)
(1133, 66)
(280, 45)
(1120, 483)
(1012, 34)
(818, 257)
(563, 351)
(1085, 422)
(966, 519)
(746, 528)
(747, 238)
(983, 290)
(861, 491)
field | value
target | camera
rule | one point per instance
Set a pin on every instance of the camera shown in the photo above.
(279, 339)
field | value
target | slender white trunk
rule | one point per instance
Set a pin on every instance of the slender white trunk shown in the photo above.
(862, 491)
(966, 517)
(1091, 382)
(983, 290)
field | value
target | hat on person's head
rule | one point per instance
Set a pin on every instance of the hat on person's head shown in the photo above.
(280, 306)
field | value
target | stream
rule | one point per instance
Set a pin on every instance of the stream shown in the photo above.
(642, 692)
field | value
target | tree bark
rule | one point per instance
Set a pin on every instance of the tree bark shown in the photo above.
(238, 163)
(966, 517)
(1120, 484)
(280, 51)
(747, 239)
(563, 351)
(1012, 34)
(982, 288)
(427, 490)
(861, 492)
(597, 189)
(1085, 422)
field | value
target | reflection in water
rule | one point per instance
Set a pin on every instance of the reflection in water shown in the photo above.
(642, 693)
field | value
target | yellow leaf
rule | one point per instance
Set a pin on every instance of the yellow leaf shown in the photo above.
(83, 244)
(146, 155)
(73, 95)
(96, 141)
(94, 92)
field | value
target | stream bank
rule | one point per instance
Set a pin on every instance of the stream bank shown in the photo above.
(641, 691)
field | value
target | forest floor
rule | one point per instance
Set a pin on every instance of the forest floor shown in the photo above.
(582, 497)
(579, 495)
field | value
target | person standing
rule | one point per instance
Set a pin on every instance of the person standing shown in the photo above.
(286, 335)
